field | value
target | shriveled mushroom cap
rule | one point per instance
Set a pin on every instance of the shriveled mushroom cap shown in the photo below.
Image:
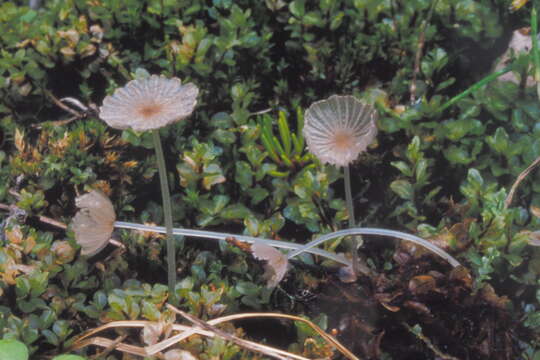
(276, 263)
(94, 222)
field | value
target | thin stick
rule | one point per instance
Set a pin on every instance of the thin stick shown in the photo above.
(152, 350)
(535, 51)
(317, 329)
(111, 347)
(419, 49)
(104, 342)
(63, 106)
(167, 214)
(238, 341)
(55, 123)
(518, 180)
(43, 219)
(429, 344)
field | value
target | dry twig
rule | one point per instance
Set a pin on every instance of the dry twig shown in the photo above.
(317, 329)
(187, 331)
(419, 49)
(258, 348)
(111, 347)
(519, 179)
(63, 106)
(429, 344)
(87, 340)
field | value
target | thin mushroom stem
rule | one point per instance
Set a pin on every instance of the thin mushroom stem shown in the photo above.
(167, 214)
(223, 236)
(298, 249)
(355, 241)
(381, 232)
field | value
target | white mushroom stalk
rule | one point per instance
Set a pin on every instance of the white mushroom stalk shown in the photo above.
(381, 232)
(298, 249)
(149, 104)
(223, 236)
(337, 130)
(94, 224)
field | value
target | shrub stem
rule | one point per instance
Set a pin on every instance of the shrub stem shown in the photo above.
(167, 214)
(535, 51)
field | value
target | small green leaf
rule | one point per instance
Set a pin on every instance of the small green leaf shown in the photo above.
(500, 142)
(236, 211)
(413, 150)
(337, 20)
(11, 349)
(403, 188)
(257, 194)
(247, 288)
(313, 18)
(243, 175)
(403, 167)
(68, 357)
(150, 311)
(284, 132)
(297, 8)
(458, 155)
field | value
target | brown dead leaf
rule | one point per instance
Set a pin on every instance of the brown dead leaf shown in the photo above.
(487, 293)
(422, 284)
(535, 210)
(418, 307)
(461, 274)
(385, 299)
(64, 252)
(456, 237)
(14, 234)
(20, 144)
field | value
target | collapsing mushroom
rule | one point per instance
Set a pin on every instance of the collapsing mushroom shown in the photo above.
(276, 264)
(94, 223)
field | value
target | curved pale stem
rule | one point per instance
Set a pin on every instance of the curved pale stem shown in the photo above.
(382, 232)
(167, 214)
(298, 249)
(222, 236)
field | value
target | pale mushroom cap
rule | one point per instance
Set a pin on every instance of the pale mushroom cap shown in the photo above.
(94, 222)
(339, 128)
(149, 103)
(276, 263)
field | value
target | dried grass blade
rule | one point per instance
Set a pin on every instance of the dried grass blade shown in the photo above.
(110, 348)
(259, 348)
(322, 333)
(111, 325)
(518, 181)
(106, 343)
